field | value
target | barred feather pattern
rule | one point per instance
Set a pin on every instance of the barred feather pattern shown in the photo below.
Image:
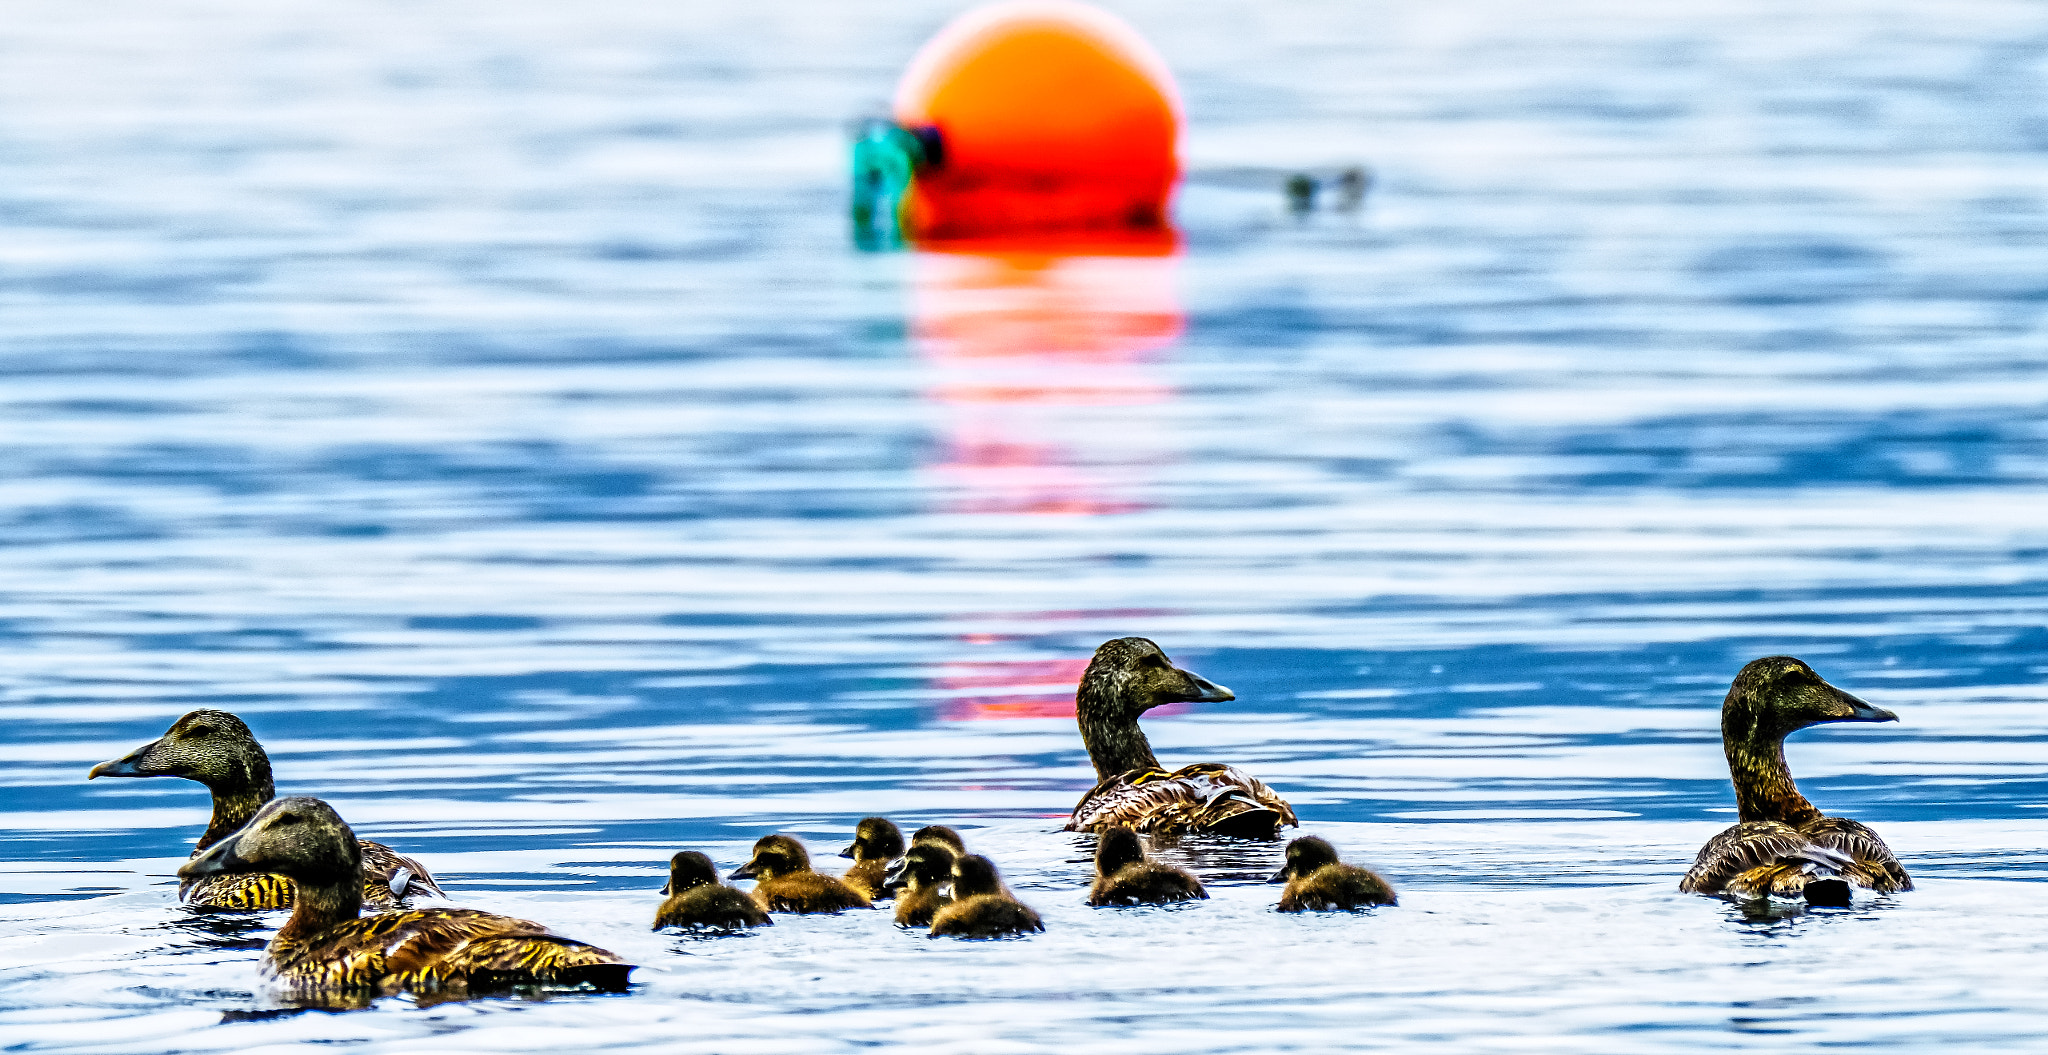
(433, 949)
(1205, 797)
(252, 892)
(1771, 858)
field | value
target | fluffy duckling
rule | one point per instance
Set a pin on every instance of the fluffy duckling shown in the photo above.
(982, 907)
(939, 833)
(919, 880)
(327, 945)
(216, 749)
(1783, 845)
(1125, 876)
(1317, 881)
(1128, 677)
(786, 883)
(875, 843)
(698, 901)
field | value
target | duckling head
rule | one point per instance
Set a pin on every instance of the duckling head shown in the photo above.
(774, 855)
(973, 875)
(1777, 695)
(212, 747)
(877, 839)
(1131, 675)
(299, 837)
(688, 870)
(939, 833)
(1118, 848)
(1304, 856)
(925, 865)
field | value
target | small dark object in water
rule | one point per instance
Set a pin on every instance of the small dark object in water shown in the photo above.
(1301, 193)
(698, 901)
(1318, 881)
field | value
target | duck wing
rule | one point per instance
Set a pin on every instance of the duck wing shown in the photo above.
(1860, 857)
(390, 876)
(1205, 797)
(1738, 859)
(431, 949)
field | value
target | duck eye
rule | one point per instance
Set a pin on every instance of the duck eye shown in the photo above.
(199, 730)
(287, 818)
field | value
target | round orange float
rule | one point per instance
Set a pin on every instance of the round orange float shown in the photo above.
(1050, 116)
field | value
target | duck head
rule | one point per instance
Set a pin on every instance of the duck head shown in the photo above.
(1304, 856)
(973, 875)
(774, 855)
(925, 865)
(298, 837)
(1777, 695)
(688, 870)
(1131, 675)
(939, 833)
(212, 747)
(1118, 848)
(877, 839)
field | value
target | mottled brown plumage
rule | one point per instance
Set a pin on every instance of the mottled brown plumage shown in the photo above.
(876, 842)
(328, 946)
(1783, 845)
(982, 906)
(216, 749)
(1317, 881)
(1125, 876)
(784, 882)
(1128, 677)
(919, 880)
(698, 901)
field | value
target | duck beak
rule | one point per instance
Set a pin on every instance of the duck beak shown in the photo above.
(1279, 877)
(665, 888)
(128, 765)
(219, 859)
(1207, 691)
(745, 871)
(1860, 711)
(895, 878)
(848, 852)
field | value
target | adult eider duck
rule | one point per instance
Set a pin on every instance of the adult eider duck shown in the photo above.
(982, 907)
(1317, 881)
(875, 843)
(698, 901)
(216, 749)
(785, 883)
(1125, 876)
(1783, 846)
(918, 882)
(1128, 677)
(328, 945)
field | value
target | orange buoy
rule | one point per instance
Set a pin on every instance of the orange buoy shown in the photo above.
(1050, 116)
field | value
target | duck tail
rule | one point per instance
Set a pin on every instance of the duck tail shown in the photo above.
(1826, 870)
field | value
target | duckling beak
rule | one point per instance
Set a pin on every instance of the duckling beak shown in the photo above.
(745, 871)
(128, 765)
(1279, 877)
(666, 888)
(1860, 711)
(896, 878)
(848, 852)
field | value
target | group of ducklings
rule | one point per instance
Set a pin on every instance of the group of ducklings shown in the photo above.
(262, 852)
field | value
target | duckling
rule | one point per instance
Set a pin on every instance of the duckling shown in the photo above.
(1783, 845)
(787, 884)
(216, 749)
(1317, 881)
(921, 876)
(939, 833)
(1127, 677)
(875, 843)
(697, 900)
(1124, 876)
(982, 907)
(327, 945)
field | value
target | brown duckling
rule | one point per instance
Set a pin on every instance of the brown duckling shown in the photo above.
(939, 833)
(698, 901)
(216, 749)
(1125, 876)
(1783, 845)
(919, 881)
(786, 883)
(328, 945)
(982, 907)
(1318, 882)
(1128, 677)
(875, 843)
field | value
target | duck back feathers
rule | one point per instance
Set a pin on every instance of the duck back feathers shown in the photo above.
(1127, 677)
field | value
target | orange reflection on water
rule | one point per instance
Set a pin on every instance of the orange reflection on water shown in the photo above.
(1038, 356)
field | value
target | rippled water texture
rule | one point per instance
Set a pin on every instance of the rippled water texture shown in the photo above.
(483, 400)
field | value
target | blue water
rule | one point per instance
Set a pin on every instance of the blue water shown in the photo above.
(484, 401)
